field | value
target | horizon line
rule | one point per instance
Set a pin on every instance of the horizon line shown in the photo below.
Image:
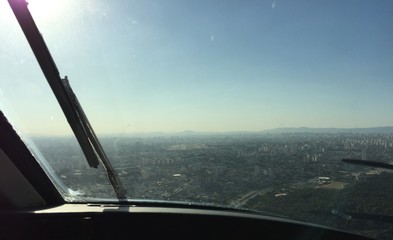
(118, 134)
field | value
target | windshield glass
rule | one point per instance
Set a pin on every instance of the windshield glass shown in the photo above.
(251, 105)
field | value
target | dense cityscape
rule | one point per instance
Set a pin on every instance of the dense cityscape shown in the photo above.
(299, 175)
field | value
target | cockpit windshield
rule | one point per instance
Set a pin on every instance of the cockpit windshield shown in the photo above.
(247, 105)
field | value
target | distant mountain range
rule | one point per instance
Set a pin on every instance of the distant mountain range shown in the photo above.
(385, 130)
(377, 130)
(189, 133)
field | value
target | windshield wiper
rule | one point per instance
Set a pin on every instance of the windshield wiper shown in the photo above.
(369, 163)
(68, 101)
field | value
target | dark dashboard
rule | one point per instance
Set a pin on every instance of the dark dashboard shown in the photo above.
(124, 222)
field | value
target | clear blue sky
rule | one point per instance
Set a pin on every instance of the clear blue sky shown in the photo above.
(145, 66)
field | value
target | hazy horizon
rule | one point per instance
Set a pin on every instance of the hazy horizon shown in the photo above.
(378, 130)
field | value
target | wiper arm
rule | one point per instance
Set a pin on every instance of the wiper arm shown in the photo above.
(68, 101)
(369, 163)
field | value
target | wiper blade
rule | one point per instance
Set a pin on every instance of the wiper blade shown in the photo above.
(369, 163)
(68, 101)
(95, 143)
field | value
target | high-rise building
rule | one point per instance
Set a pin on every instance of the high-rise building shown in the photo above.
(364, 154)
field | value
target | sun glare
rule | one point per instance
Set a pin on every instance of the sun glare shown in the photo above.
(46, 9)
